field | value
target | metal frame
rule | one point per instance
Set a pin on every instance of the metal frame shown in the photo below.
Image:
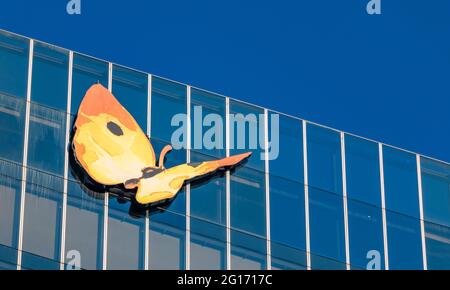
(383, 207)
(305, 182)
(344, 198)
(422, 223)
(147, 212)
(66, 163)
(25, 154)
(188, 185)
(227, 182)
(267, 188)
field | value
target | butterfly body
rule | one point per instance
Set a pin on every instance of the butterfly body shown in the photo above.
(112, 149)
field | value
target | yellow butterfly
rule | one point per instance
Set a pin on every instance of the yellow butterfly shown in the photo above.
(112, 149)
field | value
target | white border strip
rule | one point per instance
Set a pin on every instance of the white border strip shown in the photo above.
(227, 198)
(344, 197)
(147, 212)
(66, 162)
(422, 223)
(267, 176)
(305, 181)
(383, 207)
(188, 185)
(106, 205)
(25, 155)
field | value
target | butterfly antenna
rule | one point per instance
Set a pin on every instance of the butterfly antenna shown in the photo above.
(162, 155)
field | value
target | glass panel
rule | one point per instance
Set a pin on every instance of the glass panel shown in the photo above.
(168, 99)
(436, 191)
(168, 222)
(287, 258)
(131, 89)
(12, 122)
(365, 234)
(167, 243)
(13, 65)
(10, 185)
(208, 245)
(86, 72)
(84, 225)
(208, 123)
(326, 213)
(400, 182)
(248, 252)
(289, 161)
(324, 159)
(404, 242)
(47, 137)
(327, 235)
(247, 133)
(287, 211)
(362, 170)
(438, 246)
(126, 237)
(50, 76)
(42, 221)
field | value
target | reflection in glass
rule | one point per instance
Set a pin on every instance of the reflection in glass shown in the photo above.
(438, 246)
(86, 72)
(14, 65)
(12, 122)
(50, 76)
(130, 89)
(42, 221)
(84, 225)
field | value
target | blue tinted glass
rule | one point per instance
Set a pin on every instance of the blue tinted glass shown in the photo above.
(86, 72)
(167, 243)
(50, 76)
(247, 133)
(208, 245)
(168, 221)
(47, 137)
(126, 237)
(326, 221)
(436, 191)
(362, 170)
(248, 252)
(42, 221)
(168, 99)
(288, 163)
(12, 120)
(131, 89)
(208, 123)
(400, 181)
(10, 185)
(438, 246)
(287, 213)
(13, 65)
(365, 233)
(324, 159)
(404, 242)
(287, 258)
(248, 201)
(84, 225)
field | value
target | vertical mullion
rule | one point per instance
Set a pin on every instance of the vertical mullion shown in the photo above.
(106, 205)
(188, 185)
(227, 182)
(305, 177)
(344, 197)
(383, 207)
(147, 212)
(422, 223)
(25, 155)
(66, 162)
(266, 157)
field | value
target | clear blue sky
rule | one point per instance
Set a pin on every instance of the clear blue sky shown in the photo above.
(385, 77)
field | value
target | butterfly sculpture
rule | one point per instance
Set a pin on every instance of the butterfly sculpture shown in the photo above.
(112, 149)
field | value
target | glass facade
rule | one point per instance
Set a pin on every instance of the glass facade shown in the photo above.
(327, 200)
